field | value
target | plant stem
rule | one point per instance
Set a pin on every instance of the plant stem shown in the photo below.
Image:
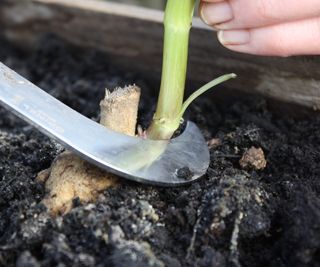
(177, 24)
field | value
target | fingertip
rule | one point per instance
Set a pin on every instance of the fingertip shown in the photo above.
(234, 37)
(216, 13)
(236, 40)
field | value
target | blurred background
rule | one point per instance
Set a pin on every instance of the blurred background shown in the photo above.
(158, 4)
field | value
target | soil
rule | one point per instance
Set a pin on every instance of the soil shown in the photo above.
(231, 217)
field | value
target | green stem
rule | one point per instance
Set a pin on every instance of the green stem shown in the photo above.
(205, 88)
(177, 24)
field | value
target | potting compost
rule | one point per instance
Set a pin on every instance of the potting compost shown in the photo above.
(258, 205)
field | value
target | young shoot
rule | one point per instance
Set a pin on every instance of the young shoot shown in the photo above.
(170, 107)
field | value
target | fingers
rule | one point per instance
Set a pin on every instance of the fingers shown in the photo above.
(266, 27)
(292, 38)
(240, 14)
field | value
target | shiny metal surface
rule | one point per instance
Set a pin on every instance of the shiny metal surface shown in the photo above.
(168, 163)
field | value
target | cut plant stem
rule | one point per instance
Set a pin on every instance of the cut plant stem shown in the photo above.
(177, 24)
(119, 109)
(170, 107)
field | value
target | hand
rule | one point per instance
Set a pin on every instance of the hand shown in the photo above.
(265, 27)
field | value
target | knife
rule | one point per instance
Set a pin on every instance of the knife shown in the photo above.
(174, 162)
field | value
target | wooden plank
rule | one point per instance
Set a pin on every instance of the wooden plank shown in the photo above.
(132, 37)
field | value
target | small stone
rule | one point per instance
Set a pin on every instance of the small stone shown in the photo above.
(214, 142)
(253, 158)
(184, 173)
(147, 211)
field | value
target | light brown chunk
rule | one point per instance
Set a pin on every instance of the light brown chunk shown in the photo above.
(253, 158)
(71, 177)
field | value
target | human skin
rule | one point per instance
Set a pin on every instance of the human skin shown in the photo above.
(265, 27)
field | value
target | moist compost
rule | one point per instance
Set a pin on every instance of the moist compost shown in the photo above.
(234, 216)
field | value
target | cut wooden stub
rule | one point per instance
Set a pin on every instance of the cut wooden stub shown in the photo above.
(69, 176)
(119, 109)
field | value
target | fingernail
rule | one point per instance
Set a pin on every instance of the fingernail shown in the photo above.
(215, 13)
(235, 37)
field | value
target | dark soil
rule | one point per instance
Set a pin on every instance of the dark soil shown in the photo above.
(231, 217)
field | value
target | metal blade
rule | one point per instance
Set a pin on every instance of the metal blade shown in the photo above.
(175, 162)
